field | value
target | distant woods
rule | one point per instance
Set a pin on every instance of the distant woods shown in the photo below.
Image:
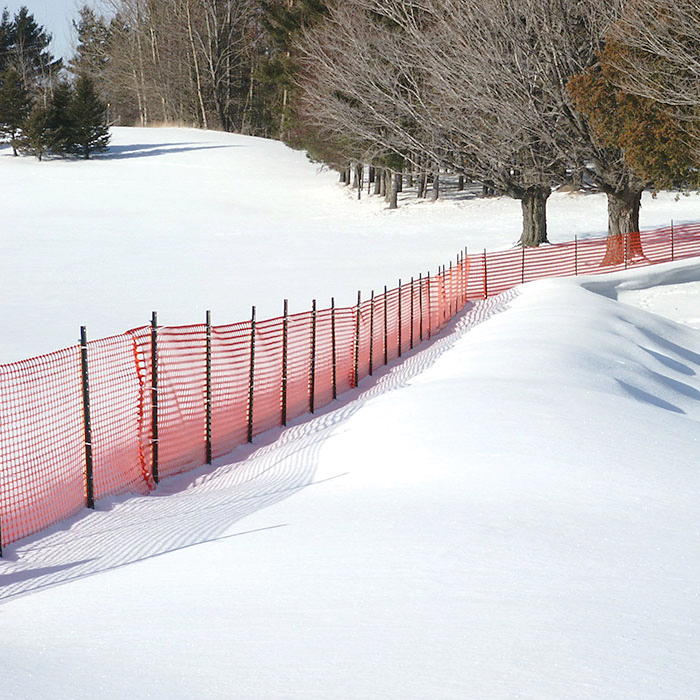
(522, 96)
(216, 64)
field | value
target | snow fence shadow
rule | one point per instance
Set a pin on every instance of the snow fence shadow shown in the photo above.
(202, 505)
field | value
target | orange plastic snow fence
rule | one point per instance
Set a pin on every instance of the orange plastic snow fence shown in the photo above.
(217, 387)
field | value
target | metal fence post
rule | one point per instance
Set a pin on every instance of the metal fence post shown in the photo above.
(672, 242)
(400, 317)
(522, 277)
(575, 255)
(312, 369)
(333, 350)
(386, 327)
(486, 277)
(371, 334)
(420, 306)
(154, 395)
(413, 290)
(89, 483)
(207, 430)
(251, 384)
(357, 339)
(627, 244)
(285, 343)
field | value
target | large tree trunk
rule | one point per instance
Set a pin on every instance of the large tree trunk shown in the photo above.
(435, 194)
(624, 243)
(422, 185)
(393, 194)
(533, 203)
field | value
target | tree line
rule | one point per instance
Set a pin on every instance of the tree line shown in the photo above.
(523, 94)
(520, 95)
(42, 110)
(219, 64)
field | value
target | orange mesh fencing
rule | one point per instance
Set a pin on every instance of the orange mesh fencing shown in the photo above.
(42, 480)
(120, 410)
(345, 335)
(267, 377)
(182, 384)
(230, 386)
(323, 358)
(219, 386)
(298, 365)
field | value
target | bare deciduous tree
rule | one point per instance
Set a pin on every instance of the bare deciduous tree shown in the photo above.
(466, 83)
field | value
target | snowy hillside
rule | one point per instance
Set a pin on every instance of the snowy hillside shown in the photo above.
(510, 512)
(180, 221)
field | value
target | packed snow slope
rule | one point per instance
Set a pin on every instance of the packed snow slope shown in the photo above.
(511, 512)
(181, 221)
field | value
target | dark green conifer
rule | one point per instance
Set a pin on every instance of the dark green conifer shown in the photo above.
(87, 117)
(60, 132)
(35, 136)
(14, 105)
(26, 48)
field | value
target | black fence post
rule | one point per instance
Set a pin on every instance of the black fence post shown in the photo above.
(420, 305)
(312, 371)
(251, 384)
(371, 334)
(486, 277)
(333, 350)
(400, 318)
(413, 316)
(357, 339)
(154, 394)
(285, 359)
(87, 426)
(207, 433)
(386, 327)
(672, 242)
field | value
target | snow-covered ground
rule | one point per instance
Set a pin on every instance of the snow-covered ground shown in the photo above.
(181, 221)
(511, 512)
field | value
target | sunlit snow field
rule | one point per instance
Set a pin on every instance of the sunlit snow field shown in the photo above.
(180, 221)
(510, 512)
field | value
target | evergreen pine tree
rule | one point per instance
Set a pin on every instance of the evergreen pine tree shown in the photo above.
(60, 137)
(35, 138)
(27, 48)
(14, 105)
(5, 39)
(283, 21)
(87, 117)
